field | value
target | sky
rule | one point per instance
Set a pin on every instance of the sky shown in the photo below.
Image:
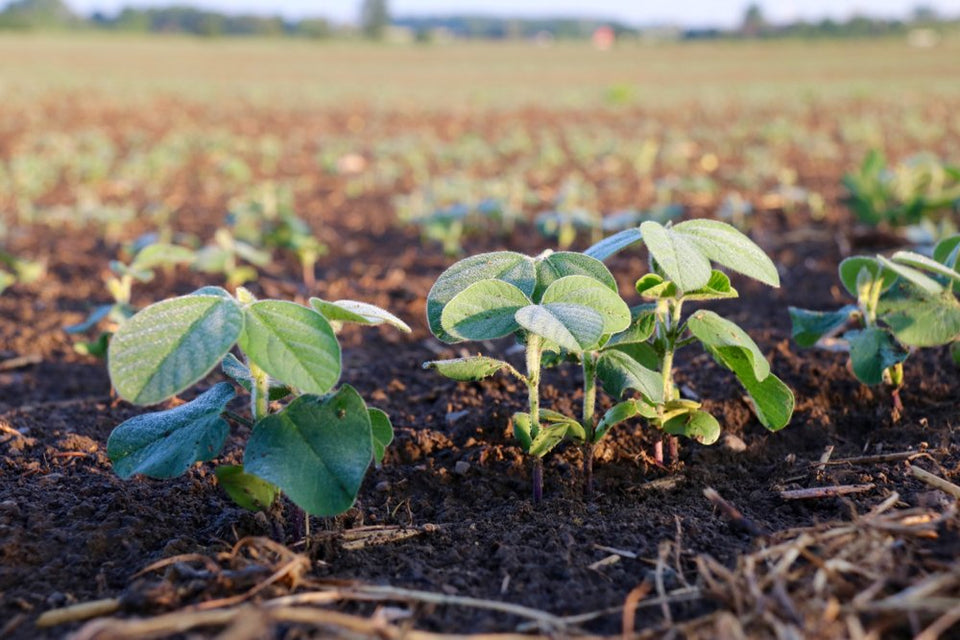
(635, 12)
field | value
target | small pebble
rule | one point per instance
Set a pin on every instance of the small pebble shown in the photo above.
(734, 443)
(461, 467)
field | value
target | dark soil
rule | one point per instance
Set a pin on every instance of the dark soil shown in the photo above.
(71, 531)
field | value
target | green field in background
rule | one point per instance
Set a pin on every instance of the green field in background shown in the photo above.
(291, 73)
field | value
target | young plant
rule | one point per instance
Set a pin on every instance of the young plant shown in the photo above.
(555, 302)
(14, 270)
(915, 192)
(316, 448)
(906, 301)
(680, 272)
(142, 268)
(227, 255)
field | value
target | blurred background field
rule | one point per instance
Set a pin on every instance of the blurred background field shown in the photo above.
(284, 73)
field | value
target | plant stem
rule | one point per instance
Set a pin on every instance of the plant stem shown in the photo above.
(534, 354)
(259, 392)
(589, 425)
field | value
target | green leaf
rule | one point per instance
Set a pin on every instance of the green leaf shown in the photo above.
(716, 332)
(560, 264)
(522, 430)
(92, 320)
(810, 326)
(357, 312)
(572, 326)
(922, 321)
(553, 419)
(872, 350)
(483, 311)
(851, 268)
(955, 353)
(614, 244)
(697, 425)
(240, 374)
(621, 412)
(681, 260)
(293, 344)
(652, 286)
(923, 262)
(726, 246)
(466, 369)
(913, 276)
(642, 352)
(946, 252)
(729, 345)
(618, 372)
(587, 291)
(164, 444)
(382, 431)
(540, 441)
(716, 289)
(514, 268)
(642, 326)
(248, 491)
(172, 344)
(316, 450)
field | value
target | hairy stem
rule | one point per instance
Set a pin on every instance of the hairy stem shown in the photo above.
(259, 391)
(587, 420)
(534, 355)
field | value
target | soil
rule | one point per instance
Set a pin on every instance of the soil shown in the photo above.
(71, 531)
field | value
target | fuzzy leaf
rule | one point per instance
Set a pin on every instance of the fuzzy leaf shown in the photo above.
(483, 311)
(642, 326)
(572, 326)
(587, 291)
(717, 288)
(696, 425)
(619, 413)
(730, 248)
(561, 264)
(810, 326)
(729, 345)
(923, 262)
(947, 252)
(248, 491)
(913, 276)
(293, 344)
(851, 268)
(316, 450)
(618, 372)
(614, 244)
(172, 344)
(872, 350)
(357, 312)
(716, 332)
(680, 259)
(382, 431)
(466, 369)
(164, 444)
(514, 268)
(922, 321)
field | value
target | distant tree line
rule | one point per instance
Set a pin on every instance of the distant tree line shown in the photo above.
(375, 22)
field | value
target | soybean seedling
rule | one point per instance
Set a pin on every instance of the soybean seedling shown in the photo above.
(18, 270)
(680, 272)
(906, 301)
(555, 301)
(316, 448)
(142, 268)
